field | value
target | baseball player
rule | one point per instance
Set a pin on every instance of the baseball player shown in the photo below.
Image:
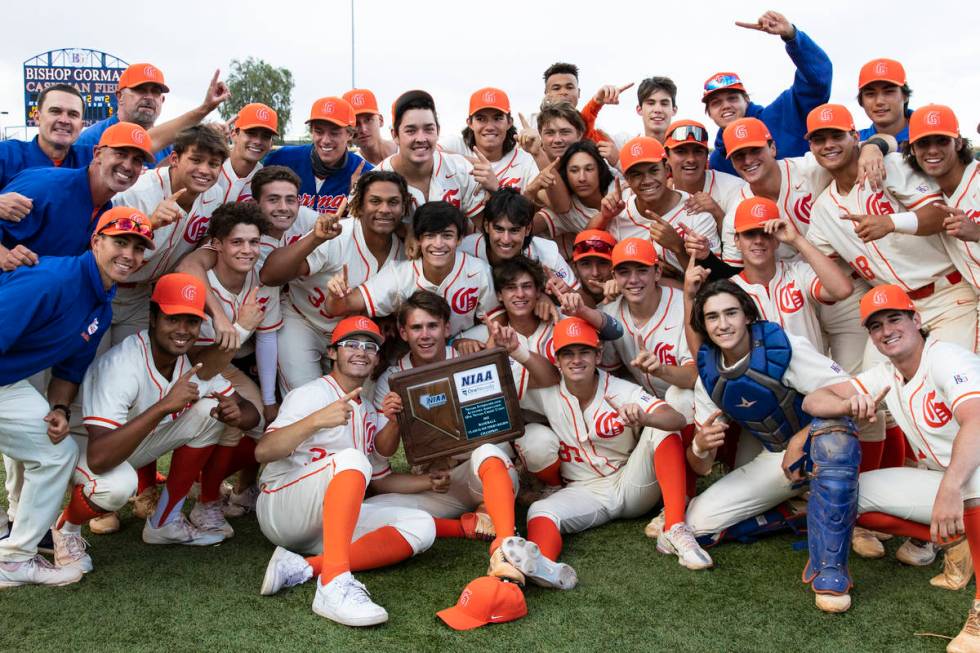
(883, 93)
(367, 129)
(930, 388)
(432, 175)
(464, 281)
(755, 374)
(142, 399)
(726, 100)
(656, 104)
(55, 314)
(558, 126)
(255, 126)
(588, 179)
(66, 203)
(561, 85)
(592, 260)
(324, 448)
(325, 166)
(360, 247)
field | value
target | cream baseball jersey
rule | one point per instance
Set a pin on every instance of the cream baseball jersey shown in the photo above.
(231, 304)
(539, 342)
(539, 249)
(124, 383)
(904, 259)
(308, 295)
(966, 197)
(723, 188)
(304, 222)
(316, 450)
(515, 169)
(468, 288)
(382, 385)
(925, 405)
(663, 334)
(451, 182)
(235, 188)
(594, 442)
(802, 180)
(790, 299)
(571, 222)
(175, 239)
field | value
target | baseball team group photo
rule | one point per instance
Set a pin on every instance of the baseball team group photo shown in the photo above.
(601, 343)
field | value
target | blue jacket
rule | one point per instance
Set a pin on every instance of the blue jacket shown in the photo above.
(334, 188)
(16, 156)
(63, 218)
(90, 137)
(786, 115)
(901, 137)
(54, 315)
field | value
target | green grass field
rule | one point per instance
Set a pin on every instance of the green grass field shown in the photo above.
(630, 598)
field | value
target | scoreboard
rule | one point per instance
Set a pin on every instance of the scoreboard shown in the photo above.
(95, 74)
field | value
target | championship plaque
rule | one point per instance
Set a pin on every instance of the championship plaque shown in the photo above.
(454, 406)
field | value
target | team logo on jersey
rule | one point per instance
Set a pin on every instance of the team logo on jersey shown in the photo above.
(451, 196)
(665, 354)
(789, 298)
(549, 351)
(741, 131)
(932, 118)
(936, 413)
(464, 300)
(802, 208)
(878, 205)
(189, 292)
(196, 228)
(636, 150)
(510, 182)
(973, 216)
(608, 425)
(827, 115)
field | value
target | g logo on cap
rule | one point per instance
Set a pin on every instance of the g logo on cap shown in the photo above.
(149, 71)
(489, 96)
(827, 115)
(636, 150)
(262, 114)
(357, 99)
(741, 131)
(328, 107)
(879, 298)
(932, 118)
(464, 598)
(758, 211)
(137, 135)
(362, 323)
(630, 249)
(881, 68)
(574, 329)
(189, 293)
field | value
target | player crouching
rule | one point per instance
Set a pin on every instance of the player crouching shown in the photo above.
(143, 399)
(322, 450)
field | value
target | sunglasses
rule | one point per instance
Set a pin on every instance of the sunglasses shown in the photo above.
(689, 132)
(369, 346)
(130, 225)
(721, 81)
(597, 246)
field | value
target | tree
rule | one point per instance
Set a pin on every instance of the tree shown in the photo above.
(255, 80)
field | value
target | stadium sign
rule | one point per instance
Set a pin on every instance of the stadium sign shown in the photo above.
(93, 73)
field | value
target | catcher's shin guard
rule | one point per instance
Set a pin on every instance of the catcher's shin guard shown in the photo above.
(835, 453)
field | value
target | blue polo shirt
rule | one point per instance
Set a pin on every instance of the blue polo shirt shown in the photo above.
(901, 137)
(90, 137)
(54, 315)
(16, 156)
(334, 188)
(63, 218)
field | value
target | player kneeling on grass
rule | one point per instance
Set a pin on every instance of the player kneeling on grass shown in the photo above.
(322, 450)
(755, 374)
(934, 401)
(616, 447)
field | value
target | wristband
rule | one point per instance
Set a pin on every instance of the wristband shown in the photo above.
(521, 354)
(697, 450)
(906, 222)
(881, 144)
(243, 333)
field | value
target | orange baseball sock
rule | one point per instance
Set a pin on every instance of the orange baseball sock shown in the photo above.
(224, 462)
(185, 467)
(498, 496)
(893, 454)
(448, 528)
(79, 509)
(670, 467)
(380, 548)
(341, 508)
(550, 475)
(871, 455)
(879, 521)
(146, 476)
(971, 520)
(543, 532)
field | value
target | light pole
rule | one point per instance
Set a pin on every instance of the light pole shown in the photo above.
(352, 84)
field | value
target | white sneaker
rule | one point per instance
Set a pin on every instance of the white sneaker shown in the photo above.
(180, 531)
(679, 540)
(36, 571)
(916, 553)
(285, 569)
(242, 503)
(69, 550)
(526, 556)
(346, 601)
(209, 517)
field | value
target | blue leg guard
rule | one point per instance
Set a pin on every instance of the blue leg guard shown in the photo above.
(832, 509)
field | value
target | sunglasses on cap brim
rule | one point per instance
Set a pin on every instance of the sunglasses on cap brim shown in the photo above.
(592, 247)
(688, 133)
(129, 225)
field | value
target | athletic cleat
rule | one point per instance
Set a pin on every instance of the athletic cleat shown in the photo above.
(957, 568)
(865, 544)
(656, 526)
(477, 526)
(69, 551)
(145, 503)
(968, 641)
(241, 503)
(526, 556)
(104, 524)
(37, 571)
(209, 517)
(285, 569)
(679, 541)
(834, 602)
(346, 601)
(180, 531)
(916, 553)
(501, 568)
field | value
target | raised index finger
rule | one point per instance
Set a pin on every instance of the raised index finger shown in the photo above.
(711, 419)
(754, 25)
(623, 88)
(881, 395)
(191, 372)
(524, 122)
(180, 192)
(352, 395)
(611, 402)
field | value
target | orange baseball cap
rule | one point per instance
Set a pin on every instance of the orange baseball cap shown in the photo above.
(142, 73)
(641, 149)
(574, 331)
(128, 134)
(486, 600)
(125, 221)
(829, 116)
(593, 242)
(884, 298)
(745, 132)
(634, 250)
(489, 98)
(933, 120)
(881, 70)
(686, 131)
(362, 100)
(334, 110)
(753, 211)
(722, 82)
(179, 293)
(257, 114)
(354, 325)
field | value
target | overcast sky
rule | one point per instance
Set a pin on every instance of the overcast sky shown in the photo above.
(452, 48)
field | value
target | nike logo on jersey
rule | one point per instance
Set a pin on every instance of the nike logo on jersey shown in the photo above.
(471, 275)
(745, 403)
(669, 328)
